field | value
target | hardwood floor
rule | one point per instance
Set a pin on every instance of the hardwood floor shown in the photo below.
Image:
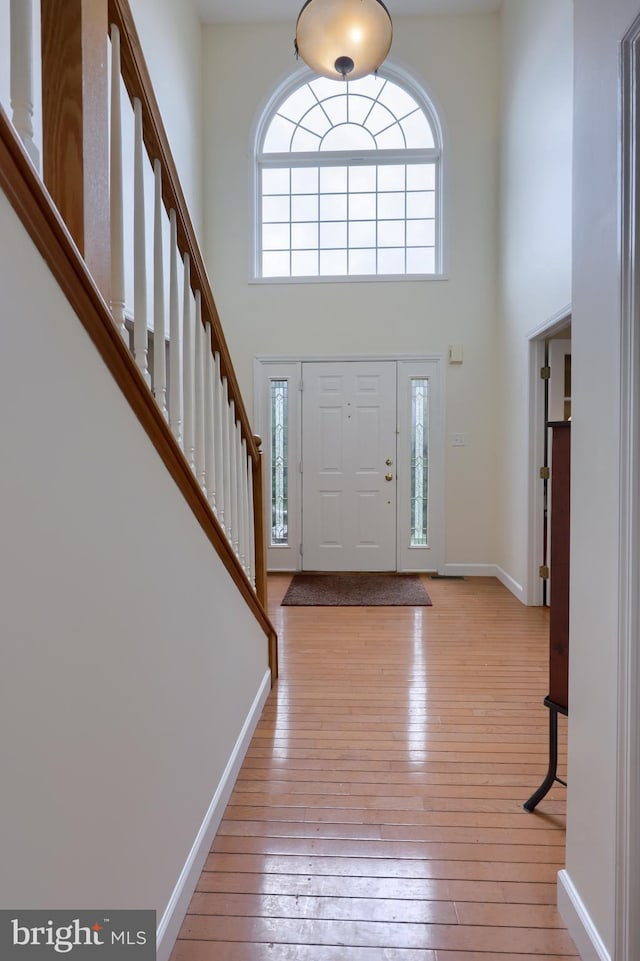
(378, 814)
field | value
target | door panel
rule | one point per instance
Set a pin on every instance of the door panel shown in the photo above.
(348, 505)
(330, 518)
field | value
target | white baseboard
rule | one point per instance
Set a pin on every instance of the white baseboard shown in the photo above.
(468, 570)
(485, 570)
(172, 919)
(578, 921)
(511, 584)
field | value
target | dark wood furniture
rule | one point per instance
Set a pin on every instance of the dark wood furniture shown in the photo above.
(557, 701)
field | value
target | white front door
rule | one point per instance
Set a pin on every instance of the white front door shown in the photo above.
(349, 466)
(358, 414)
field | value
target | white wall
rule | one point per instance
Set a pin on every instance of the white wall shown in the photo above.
(457, 61)
(593, 678)
(536, 157)
(172, 44)
(129, 661)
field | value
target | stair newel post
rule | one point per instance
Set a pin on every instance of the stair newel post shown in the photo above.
(251, 520)
(188, 363)
(75, 125)
(21, 92)
(259, 527)
(219, 448)
(175, 338)
(209, 410)
(199, 395)
(116, 213)
(159, 330)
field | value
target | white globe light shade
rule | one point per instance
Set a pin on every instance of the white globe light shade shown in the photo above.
(344, 38)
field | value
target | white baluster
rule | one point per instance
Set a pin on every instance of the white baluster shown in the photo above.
(175, 339)
(233, 463)
(21, 90)
(242, 526)
(252, 530)
(115, 189)
(140, 336)
(244, 550)
(209, 410)
(159, 359)
(226, 473)
(199, 395)
(218, 450)
(188, 363)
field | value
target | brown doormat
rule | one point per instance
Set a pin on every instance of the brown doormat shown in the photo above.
(356, 590)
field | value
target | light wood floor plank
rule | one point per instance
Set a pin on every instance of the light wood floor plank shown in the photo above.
(378, 812)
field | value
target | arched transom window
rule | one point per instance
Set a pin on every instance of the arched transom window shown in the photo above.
(348, 178)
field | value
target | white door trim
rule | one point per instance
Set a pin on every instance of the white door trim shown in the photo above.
(627, 934)
(537, 428)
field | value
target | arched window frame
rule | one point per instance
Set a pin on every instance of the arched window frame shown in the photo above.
(263, 160)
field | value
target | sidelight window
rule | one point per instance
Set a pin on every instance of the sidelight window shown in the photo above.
(279, 462)
(419, 499)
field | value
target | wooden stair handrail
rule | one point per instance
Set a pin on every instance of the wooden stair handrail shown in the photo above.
(138, 84)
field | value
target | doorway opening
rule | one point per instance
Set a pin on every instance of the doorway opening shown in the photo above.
(549, 402)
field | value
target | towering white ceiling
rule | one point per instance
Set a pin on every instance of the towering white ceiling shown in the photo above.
(264, 11)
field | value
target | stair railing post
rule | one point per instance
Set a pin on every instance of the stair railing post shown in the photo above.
(116, 209)
(75, 125)
(175, 334)
(21, 93)
(140, 326)
(159, 325)
(188, 366)
(199, 396)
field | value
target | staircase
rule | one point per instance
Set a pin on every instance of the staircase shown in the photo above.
(133, 591)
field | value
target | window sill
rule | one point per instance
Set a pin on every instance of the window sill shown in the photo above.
(354, 279)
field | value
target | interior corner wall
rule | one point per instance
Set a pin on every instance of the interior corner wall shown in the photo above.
(456, 59)
(171, 39)
(595, 480)
(130, 662)
(535, 233)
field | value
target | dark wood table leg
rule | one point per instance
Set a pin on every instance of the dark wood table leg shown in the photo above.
(551, 778)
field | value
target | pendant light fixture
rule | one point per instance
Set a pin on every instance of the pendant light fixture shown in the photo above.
(345, 39)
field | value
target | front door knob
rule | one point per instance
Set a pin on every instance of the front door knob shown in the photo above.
(388, 477)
